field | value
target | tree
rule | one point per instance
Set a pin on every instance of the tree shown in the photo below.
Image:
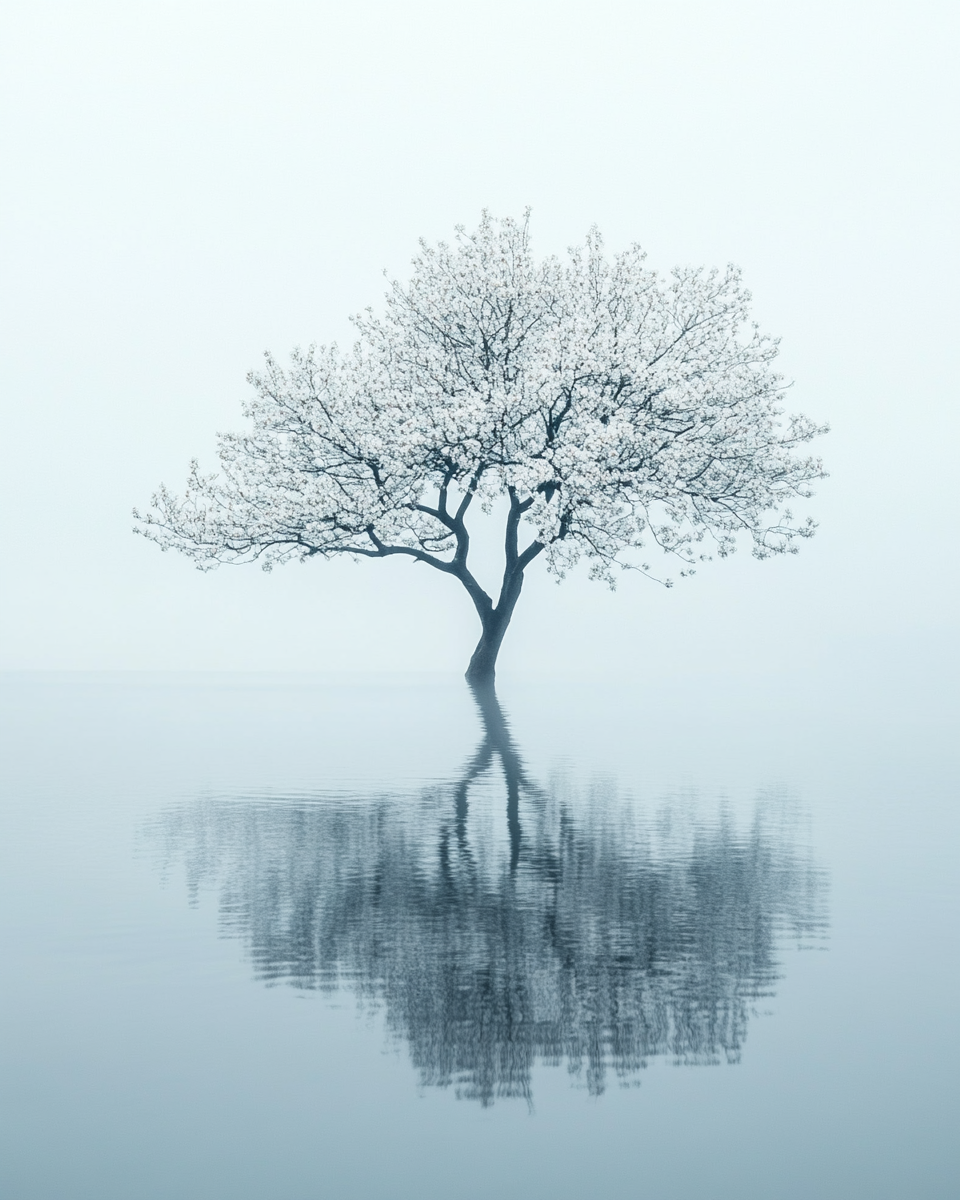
(606, 405)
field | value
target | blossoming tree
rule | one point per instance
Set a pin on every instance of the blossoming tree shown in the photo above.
(604, 405)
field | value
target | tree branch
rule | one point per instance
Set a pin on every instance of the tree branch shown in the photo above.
(482, 602)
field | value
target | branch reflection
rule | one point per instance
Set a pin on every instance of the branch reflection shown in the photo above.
(584, 932)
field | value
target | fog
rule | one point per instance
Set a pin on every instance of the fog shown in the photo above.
(188, 185)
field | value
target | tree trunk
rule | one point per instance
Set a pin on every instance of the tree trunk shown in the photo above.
(483, 665)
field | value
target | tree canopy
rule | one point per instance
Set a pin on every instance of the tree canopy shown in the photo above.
(610, 407)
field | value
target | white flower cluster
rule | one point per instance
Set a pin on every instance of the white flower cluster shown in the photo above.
(610, 404)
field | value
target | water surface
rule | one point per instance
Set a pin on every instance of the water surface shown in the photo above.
(369, 937)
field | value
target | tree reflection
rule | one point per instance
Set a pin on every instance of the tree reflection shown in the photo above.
(589, 936)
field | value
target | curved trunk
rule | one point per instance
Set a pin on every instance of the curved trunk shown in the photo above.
(483, 664)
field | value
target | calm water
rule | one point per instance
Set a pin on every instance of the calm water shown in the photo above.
(307, 937)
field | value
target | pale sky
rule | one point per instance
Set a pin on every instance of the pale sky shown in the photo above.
(186, 185)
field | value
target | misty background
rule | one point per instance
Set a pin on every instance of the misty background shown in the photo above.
(187, 185)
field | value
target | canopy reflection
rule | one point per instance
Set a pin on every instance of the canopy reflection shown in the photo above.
(582, 930)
